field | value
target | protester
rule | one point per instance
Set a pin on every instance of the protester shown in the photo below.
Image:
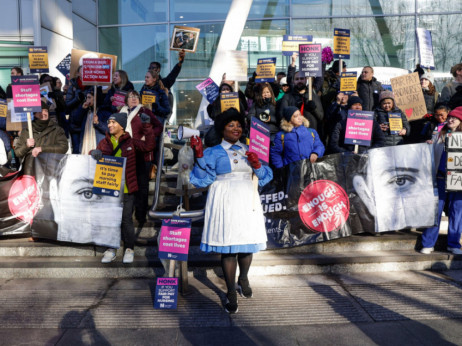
(233, 204)
(173, 75)
(56, 102)
(453, 198)
(264, 108)
(429, 91)
(120, 82)
(451, 88)
(382, 114)
(369, 89)
(296, 141)
(153, 85)
(434, 122)
(337, 111)
(15, 71)
(119, 143)
(48, 137)
(331, 83)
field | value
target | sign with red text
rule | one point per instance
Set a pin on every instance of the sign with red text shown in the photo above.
(166, 293)
(359, 127)
(310, 60)
(259, 139)
(26, 94)
(174, 239)
(97, 71)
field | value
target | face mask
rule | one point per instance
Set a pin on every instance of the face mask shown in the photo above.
(267, 100)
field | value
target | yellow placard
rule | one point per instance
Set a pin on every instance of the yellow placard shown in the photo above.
(348, 83)
(229, 100)
(341, 43)
(3, 110)
(38, 59)
(266, 69)
(396, 123)
(148, 99)
(108, 177)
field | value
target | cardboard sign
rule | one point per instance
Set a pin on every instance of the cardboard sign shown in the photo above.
(341, 44)
(166, 293)
(408, 95)
(209, 89)
(26, 94)
(359, 127)
(454, 141)
(453, 147)
(78, 55)
(3, 108)
(259, 139)
(119, 98)
(396, 123)
(108, 176)
(266, 70)
(229, 100)
(348, 82)
(290, 43)
(310, 62)
(454, 181)
(96, 72)
(424, 42)
(148, 98)
(174, 239)
(38, 59)
(235, 63)
(65, 66)
(454, 161)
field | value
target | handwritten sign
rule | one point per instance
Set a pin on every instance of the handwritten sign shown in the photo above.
(209, 89)
(119, 98)
(341, 43)
(310, 63)
(454, 181)
(453, 147)
(409, 96)
(259, 139)
(26, 93)
(166, 296)
(266, 70)
(148, 98)
(229, 100)
(38, 59)
(290, 43)
(424, 42)
(3, 108)
(236, 64)
(396, 123)
(109, 175)
(359, 127)
(97, 71)
(348, 82)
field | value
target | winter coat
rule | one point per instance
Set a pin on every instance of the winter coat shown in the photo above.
(430, 100)
(448, 91)
(107, 104)
(161, 107)
(334, 114)
(172, 76)
(429, 129)
(294, 144)
(382, 117)
(369, 92)
(456, 99)
(274, 121)
(314, 116)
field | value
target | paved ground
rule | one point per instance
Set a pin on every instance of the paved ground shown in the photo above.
(388, 308)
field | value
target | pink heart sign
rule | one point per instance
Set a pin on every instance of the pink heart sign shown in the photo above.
(409, 112)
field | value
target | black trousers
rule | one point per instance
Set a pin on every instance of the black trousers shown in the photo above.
(128, 230)
(141, 196)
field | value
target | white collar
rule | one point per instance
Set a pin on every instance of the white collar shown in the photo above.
(227, 145)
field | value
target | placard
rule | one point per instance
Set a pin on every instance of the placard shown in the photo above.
(424, 42)
(119, 98)
(453, 147)
(348, 82)
(266, 70)
(454, 161)
(45, 88)
(395, 123)
(290, 43)
(409, 96)
(310, 63)
(65, 66)
(38, 59)
(108, 176)
(26, 94)
(454, 141)
(259, 139)
(359, 127)
(148, 98)
(209, 89)
(166, 293)
(3, 108)
(184, 37)
(77, 56)
(174, 239)
(96, 72)
(341, 44)
(15, 121)
(235, 64)
(229, 100)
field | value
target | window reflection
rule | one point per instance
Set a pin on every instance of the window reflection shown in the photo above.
(131, 11)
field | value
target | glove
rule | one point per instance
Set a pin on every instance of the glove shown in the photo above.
(310, 106)
(196, 145)
(145, 119)
(96, 154)
(253, 160)
(51, 94)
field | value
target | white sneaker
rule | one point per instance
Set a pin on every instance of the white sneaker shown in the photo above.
(426, 250)
(455, 250)
(109, 256)
(129, 255)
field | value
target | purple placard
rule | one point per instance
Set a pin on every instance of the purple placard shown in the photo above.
(259, 139)
(359, 128)
(166, 293)
(310, 61)
(209, 89)
(26, 94)
(174, 239)
(119, 98)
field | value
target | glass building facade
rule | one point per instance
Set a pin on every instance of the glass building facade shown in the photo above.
(382, 34)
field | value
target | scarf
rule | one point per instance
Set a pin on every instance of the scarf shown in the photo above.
(131, 114)
(89, 135)
(40, 125)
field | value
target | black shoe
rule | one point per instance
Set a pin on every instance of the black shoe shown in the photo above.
(231, 303)
(244, 288)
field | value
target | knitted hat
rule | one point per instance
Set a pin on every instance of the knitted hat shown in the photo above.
(283, 81)
(387, 94)
(428, 76)
(121, 118)
(354, 99)
(456, 113)
(287, 112)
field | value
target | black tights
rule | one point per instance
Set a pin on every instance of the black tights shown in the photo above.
(229, 265)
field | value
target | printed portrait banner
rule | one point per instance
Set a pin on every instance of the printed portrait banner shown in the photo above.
(65, 66)
(26, 94)
(119, 98)
(209, 89)
(409, 96)
(359, 127)
(290, 43)
(97, 71)
(229, 100)
(266, 70)
(310, 60)
(3, 108)
(424, 42)
(166, 296)
(259, 139)
(38, 59)
(174, 239)
(348, 82)
(396, 123)
(109, 173)
(341, 44)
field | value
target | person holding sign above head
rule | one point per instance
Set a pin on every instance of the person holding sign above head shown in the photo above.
(119, 143)
(173, 75)
(453, 198)
(391, 119)
(234, 225)
(154, 94)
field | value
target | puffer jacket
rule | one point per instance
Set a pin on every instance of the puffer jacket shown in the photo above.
(382, 117)
(369, 92)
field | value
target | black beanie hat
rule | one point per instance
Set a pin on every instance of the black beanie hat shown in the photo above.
(287, 112)
(121, 118)
(223, 119)
(354, 99)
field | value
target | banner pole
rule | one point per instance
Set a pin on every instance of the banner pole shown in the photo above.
(310, 88)
(94, 102)
(29, 125)
(340, 66)
(171, 269)
(356, 148)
